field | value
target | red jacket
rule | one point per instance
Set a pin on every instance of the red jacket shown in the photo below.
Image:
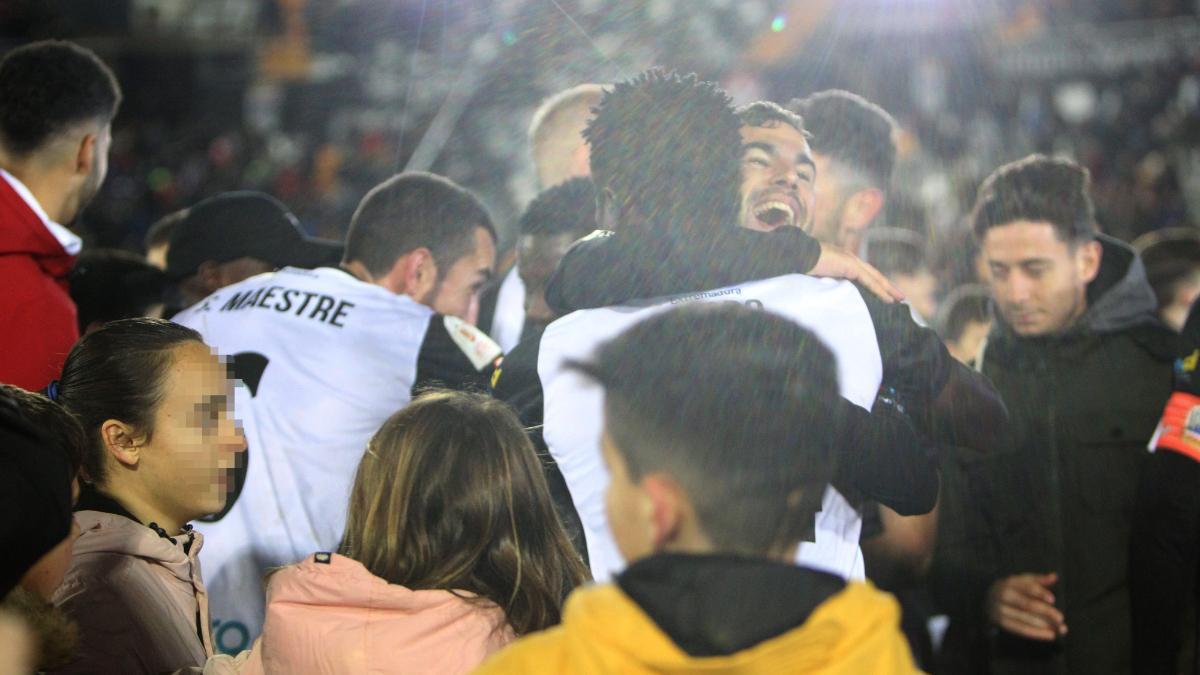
(37, 317)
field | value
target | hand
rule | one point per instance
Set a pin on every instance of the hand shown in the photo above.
(836, 263)
(1023, 605)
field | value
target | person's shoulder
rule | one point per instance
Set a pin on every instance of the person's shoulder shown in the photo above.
(456, 336)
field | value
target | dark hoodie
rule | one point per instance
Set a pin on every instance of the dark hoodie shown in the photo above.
(1083, 405)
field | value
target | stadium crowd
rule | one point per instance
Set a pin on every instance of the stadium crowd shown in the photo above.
(680, 426)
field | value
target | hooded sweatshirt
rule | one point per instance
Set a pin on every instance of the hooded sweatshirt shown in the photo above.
(1084, 404)
(37, 316)
(136, 594)
(718, 614)
(329, 614)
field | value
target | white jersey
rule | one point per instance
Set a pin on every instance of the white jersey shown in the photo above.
(325, 359)
(508, 321)
(833, 310)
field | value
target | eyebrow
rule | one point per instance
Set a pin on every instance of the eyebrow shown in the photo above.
(770, 150)
(211, 400)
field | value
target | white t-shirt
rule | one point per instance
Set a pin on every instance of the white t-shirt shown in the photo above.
(573, 406)
(325, 359)
(508, 321)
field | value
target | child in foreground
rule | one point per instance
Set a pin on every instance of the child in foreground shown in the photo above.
(718, 437)
(452, 548)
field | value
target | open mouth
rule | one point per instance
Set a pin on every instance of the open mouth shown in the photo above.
(775, 214)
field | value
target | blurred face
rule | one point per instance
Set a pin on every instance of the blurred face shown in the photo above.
(189, 460)
(1039, 282)
(830, 202)
(48, 572)
(457, 292)
(538, 256)
(630, 513)
(777, 178)
(966, 347)
(920, 290)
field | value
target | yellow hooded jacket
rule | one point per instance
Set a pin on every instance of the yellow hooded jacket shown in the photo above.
(855, 631)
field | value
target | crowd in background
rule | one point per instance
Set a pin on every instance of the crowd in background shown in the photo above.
(998, 489)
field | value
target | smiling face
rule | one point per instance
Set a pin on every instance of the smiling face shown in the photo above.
(778, 175)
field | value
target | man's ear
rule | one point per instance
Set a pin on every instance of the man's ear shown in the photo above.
(122, 441)
(85, 154)
(1088, 257)
(209, 276)
(864, 206)
(413, 274)
(668, 508)
(607, 213)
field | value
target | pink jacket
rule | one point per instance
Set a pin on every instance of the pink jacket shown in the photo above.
(139, 599)
(336, 617)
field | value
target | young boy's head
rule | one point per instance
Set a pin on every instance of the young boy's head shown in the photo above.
(718, 431)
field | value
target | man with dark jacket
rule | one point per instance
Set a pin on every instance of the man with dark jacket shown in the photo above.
(1084, 367)
(57, 101)
(672, 245)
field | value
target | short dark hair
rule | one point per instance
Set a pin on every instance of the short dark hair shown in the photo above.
(159, 233)
(895, 251)
(110, 284)
(52, 421)
(736, 405)
(118, 372)
(851, 130)
(1172, 258)
(963, 306)
(411, 210)
(768, 114)
(669, 148)
(47, 87)
(1040, 189)
(567, 208)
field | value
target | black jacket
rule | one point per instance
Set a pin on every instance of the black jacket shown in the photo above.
(1083, 406)
(1164, 552)
(884, 458)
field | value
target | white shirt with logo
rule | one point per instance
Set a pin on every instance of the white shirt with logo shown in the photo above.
(573, 405)
(325, 358)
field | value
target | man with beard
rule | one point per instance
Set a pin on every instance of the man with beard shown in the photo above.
(854, 153)
(57, 102)
(667, 157)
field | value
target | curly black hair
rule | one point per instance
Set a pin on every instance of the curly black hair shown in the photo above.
(566, 208)
(47, 87)
(668, 147)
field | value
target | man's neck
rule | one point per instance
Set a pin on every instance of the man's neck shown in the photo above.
(47, 189)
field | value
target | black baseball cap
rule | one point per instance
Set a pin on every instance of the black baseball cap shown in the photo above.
(244, 224)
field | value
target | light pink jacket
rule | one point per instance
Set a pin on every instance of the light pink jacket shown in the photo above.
(137, 597)
(337, 617)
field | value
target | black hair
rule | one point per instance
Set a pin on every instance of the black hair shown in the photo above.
(963, 306)
(851, 130)
(1172, 258)
(567, 208)
(733, 403)
(160, 232)
(668, 147)
(118, 372)
(47, 87)
(767, 114)
(411, 210)
(110, 284)
(1040, 189)
(52, 422)
(895, 251)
